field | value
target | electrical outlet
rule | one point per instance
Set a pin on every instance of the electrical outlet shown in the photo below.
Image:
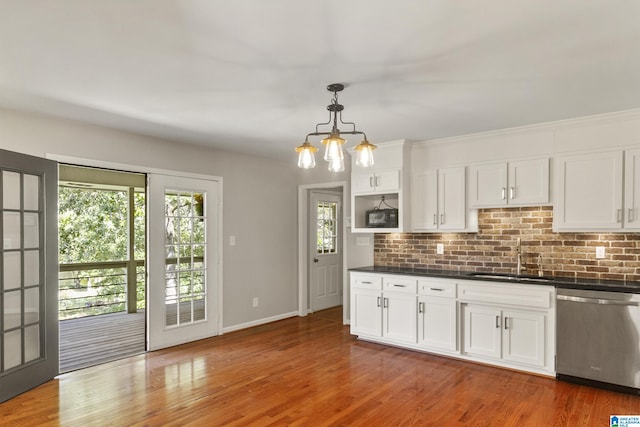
(440, 248)
(255, 302)
(232, 240)
(600, 252)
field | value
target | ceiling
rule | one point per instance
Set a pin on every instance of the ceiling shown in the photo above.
(251, 75)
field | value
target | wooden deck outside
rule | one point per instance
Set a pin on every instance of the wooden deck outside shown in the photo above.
(307, 371)
(89, 341)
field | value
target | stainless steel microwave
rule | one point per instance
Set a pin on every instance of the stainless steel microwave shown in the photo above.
(382, 218)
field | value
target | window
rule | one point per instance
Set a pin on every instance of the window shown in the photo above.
(326, 241)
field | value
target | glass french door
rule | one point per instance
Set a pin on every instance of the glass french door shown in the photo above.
(28, 273)
(184, 252)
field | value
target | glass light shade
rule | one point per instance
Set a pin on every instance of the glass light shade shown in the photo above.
(336, 165)
(306, 158)
(333, 147)
(364, 156)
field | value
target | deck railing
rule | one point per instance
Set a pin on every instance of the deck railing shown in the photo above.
(88, 289)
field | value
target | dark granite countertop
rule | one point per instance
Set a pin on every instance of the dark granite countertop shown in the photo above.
(558, 282)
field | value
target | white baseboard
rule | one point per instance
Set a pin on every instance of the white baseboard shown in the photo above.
(259, 322)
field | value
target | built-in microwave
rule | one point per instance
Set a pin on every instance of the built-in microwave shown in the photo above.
(382, 218)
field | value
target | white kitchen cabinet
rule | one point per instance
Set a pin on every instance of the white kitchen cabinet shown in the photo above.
(509, 324)
(632, 189)
(384, 309)
(385, 185)
(482, 332)
(503, 324)
(511, 335)
(514, 183)
(375, 181)
(438, 200)
(366, 312)
(437, 315)
(399, 316)
(597, 191)
(523, 337)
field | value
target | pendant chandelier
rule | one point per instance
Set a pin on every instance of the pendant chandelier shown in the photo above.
(333, 143)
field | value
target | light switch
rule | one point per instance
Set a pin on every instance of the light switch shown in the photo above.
(232, 240)
(362, 241)
(600, 252)
(440, 248)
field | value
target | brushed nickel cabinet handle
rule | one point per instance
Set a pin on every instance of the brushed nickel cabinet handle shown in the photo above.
(506, 325)
(503, 193)
(512, 192)
(630, 215)
(497, 322)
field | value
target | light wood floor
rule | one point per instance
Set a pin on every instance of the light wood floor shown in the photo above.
(306, 372)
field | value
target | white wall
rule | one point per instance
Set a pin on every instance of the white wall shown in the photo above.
(260, 202)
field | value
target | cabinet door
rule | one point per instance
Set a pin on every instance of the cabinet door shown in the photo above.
(362, 182)
(452, 199)
(437, 323)
(482, 334)
(366, 312)
(632, 189)
(387, 180)
(488, 185)
(424, 203)
(589, 192)
(528, 182)
(524, 337)
(399, 317)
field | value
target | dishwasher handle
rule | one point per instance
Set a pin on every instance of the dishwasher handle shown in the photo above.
(597, 300)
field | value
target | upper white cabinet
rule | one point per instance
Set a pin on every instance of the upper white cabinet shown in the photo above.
(597, 191)
(438, 200)
(383, 186)
(632, 189)
(375, 181)
(515, 183)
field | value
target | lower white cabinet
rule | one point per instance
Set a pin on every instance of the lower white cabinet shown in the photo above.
(384, 307)
(437, 315)
(511, 335)
(510, 325)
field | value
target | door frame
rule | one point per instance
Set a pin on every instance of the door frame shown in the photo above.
(303, 244)
(150, 170)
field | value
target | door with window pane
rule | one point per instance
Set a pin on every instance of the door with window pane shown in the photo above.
(325, 273)
(184, 275)
(28, 273)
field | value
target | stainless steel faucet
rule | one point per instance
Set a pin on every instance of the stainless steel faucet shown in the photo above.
(519, 267)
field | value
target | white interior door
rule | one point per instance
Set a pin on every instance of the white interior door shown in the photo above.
(325, 277)
(184, 287)
(28, 272)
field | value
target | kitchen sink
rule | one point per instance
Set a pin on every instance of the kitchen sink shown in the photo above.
(507, 276)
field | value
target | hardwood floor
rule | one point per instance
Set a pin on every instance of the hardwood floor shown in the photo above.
(306, 372)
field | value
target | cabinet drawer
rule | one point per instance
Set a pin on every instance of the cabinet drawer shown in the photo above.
(399, 284)
(536, 296)
(366, 281)
(437, 288)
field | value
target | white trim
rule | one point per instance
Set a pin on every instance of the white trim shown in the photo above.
(128, 167)
(259, 322)
(303, 247)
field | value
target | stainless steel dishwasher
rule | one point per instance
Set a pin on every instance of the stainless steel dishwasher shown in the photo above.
(598, 338)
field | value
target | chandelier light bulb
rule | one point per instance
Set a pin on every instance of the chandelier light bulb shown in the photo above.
(333, 147)
(364, 154)
(306, 157)
(336, 165)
